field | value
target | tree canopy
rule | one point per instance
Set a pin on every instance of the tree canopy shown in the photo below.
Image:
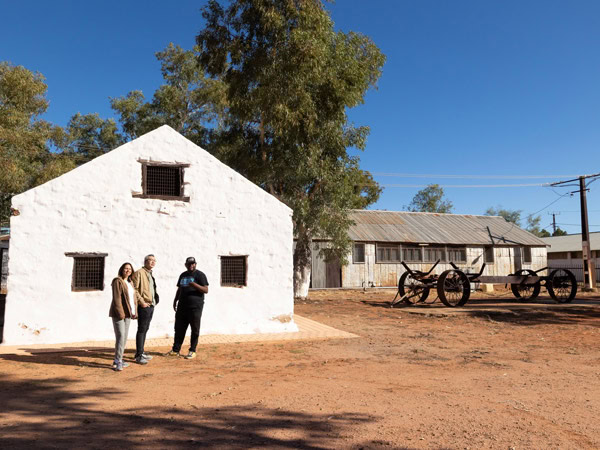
(25, 139)
(430, 199)
(289, 80)
(514, 216)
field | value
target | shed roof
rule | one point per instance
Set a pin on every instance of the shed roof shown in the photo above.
(434, 228)
(571, 242)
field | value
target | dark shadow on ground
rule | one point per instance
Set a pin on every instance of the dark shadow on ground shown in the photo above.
(68, 357)
(2, 309)
(54, 413)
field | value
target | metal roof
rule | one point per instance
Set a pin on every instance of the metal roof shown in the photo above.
(434, 228)
(571, 242)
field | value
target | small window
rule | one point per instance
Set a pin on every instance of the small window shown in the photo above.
(412, 254)
(457, 254)
(358, 253)
(489, 255)
(432, 254)
(233, 270)
(527, 255)
(88, 272)
(163, 181)
(388, 253)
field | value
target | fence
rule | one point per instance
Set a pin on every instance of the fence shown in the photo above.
(577, 270)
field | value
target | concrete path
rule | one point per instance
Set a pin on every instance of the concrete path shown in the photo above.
(308, 330)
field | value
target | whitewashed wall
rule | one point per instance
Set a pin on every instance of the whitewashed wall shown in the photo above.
(91, 209)
(388, 274)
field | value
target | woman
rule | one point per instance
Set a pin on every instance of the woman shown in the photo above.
(122, 309)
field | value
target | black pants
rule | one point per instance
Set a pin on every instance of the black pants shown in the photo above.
(144, 319)
(184, 317)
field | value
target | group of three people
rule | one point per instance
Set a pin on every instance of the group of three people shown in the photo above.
(134, 296)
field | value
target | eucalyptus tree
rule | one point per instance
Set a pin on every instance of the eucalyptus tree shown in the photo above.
(290, 79)
(430, 199)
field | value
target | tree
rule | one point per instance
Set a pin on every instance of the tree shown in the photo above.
(25, 156)
(188, 101)
(559, 232)
(290, 79)
(430, 199)
(513, 216)
(533, 226)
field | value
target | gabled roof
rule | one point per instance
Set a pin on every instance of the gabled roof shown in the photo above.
(434, 228)
(571, 242)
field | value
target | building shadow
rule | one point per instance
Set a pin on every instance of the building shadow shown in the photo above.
(55, 413)
(69, 357)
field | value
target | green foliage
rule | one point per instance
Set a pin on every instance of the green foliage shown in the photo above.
(533, 226)
(188, 101)
(513, 216)
(290, 79)
(25, 156)
(559, 232)
(430, 199)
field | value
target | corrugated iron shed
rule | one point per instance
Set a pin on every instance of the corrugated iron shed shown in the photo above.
(434, 228)
(571, 242)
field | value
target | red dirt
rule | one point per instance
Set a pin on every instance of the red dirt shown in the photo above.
(417, 377)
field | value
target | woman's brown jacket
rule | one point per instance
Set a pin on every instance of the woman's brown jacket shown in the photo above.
(119, 308)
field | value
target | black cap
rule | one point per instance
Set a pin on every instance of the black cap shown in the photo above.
(190, 260)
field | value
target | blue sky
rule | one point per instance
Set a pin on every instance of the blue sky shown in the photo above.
(470, 88)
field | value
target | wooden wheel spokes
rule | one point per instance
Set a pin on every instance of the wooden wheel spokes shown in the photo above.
(453, 288)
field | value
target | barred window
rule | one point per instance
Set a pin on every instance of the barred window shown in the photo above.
(162, 181)
(233, 270)
(432, 254)
(388, 253)
(412, 254)
(457, 254)
(358, 253)
(489, 256)
(88, 271)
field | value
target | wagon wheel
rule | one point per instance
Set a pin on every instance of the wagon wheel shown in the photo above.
(415, 290)
(453, 288)
(562, 285)
(526, 291)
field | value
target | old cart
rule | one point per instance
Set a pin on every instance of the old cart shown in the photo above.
(453, 286)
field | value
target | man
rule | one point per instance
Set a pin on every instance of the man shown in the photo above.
(191, 287)
(145, 285)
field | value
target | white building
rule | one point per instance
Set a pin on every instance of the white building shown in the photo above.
(565, 252)
(383, 239)
(159, 194)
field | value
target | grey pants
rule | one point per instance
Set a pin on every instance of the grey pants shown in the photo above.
(121, 331)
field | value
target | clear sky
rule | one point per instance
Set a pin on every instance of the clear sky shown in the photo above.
(493, 89)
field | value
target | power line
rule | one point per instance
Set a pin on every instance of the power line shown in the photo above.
(462, 186)
(474, 177)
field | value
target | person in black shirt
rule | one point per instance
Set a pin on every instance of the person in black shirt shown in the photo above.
(191, 287)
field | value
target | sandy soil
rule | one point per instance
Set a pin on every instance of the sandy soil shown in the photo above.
(497, 375)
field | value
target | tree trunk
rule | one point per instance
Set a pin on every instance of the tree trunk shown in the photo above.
(302, 265)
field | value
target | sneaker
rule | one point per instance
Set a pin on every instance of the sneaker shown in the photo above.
(190, 355)
(172, 353)
(141, 360)
(147, 356)
(124, 364)
(117, 367)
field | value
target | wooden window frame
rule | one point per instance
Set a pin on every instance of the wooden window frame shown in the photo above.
(388, 261)
(237, 285)
(463, 250)
(435, 248)
(354, 259)
(411, 249)
(81, 255)
(145, 164)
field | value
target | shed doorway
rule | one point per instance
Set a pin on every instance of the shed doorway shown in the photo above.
(333, 274)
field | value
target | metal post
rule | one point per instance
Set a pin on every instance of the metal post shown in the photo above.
(589, 274)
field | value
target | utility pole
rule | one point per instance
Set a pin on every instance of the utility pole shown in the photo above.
(589, 272)
(553, 221)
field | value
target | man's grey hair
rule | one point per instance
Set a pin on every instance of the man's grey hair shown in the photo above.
(147, 257)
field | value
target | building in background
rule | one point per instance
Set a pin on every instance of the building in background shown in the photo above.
(382, 239)
(564, 252)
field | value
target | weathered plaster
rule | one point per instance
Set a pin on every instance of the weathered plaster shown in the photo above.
(92, 209)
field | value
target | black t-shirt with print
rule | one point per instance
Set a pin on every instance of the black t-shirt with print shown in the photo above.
(189, 296)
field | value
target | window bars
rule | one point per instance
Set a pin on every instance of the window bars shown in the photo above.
(163, 181)
(233, 270)
(88, 273)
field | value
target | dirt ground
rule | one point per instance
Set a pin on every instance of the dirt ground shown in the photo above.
(496, 374)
